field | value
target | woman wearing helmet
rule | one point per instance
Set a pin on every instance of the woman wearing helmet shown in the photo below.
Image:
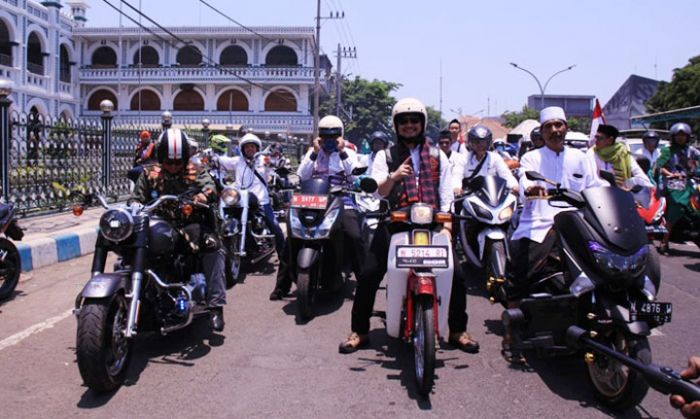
(250, 173)
(174, 176)
(328, 159)
(676, 163)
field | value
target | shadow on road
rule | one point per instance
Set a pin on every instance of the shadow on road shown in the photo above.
(181, 348)
(326, 303)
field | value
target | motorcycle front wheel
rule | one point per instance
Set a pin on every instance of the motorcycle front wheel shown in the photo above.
(424, 343)
(306, 293)
(102, 349)
(10, 267)
(615, 385)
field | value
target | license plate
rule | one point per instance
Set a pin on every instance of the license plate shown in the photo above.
(654, 312)
(317, 202)
(421, 256)
(655, 229)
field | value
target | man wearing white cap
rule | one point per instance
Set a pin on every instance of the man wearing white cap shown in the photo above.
(533, 244)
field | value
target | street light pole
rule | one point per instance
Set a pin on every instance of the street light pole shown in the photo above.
(542, 88)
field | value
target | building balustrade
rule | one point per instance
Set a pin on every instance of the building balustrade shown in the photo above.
(189, 74)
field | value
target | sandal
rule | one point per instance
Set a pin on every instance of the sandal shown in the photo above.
(510, 354)
(353, 343)
(464, 342)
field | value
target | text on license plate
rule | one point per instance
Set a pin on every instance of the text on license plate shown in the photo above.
(657, 312)
(309, 201)
(421, 256)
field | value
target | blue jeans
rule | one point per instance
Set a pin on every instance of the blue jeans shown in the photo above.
(273, 225)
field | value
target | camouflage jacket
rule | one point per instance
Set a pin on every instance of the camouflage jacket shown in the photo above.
(154, 181)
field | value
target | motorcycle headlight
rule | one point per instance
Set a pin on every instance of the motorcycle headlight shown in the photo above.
(325, 228)
(481, 211)
(421, 214)
(230, 197)
(617, 265)
(506, 213)
(116, 225)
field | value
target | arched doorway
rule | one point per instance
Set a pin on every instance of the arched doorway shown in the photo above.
(233, 55)
(148, 57)
(104, 57)
(5, 45)
(280, 101)
(64, 63)
(189, 56)
(232, 100)
(35, 57)
(282, 56)
(149, 101)
(188, 100)
(98, 96)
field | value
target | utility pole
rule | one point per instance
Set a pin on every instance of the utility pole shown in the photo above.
(317, 61)
(341, 53)
(440, 89)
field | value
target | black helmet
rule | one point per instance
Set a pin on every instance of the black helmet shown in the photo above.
(480, 133)
(173, 145)
(379, 135)
(680, 127)
(651, 136)
(535, 134)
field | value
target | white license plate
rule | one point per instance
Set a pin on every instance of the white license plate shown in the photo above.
(656, 312)
(421, 256)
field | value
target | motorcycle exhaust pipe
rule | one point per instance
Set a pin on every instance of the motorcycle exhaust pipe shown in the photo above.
(662, 379)
(190, 312)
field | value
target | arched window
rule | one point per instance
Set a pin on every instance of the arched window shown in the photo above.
(189, 56)
(64, 73)
(149, 57)
(280, 101)
(99, 96)
(188, 100)
(35, 57)
(5, 45)
(233, 55)
(148, 98)
(232, 100)
(104, 57)
(281, 56)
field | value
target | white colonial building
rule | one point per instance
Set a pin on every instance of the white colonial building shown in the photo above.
(229, 75)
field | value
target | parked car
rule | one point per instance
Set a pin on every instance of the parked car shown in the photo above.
(576, 140)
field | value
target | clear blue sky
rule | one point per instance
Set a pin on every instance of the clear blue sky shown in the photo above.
(404, 41)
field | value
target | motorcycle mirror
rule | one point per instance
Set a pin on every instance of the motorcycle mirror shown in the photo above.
(608, 177)
(359, 171)
(532, 175)
(368, 184)
(282, 171)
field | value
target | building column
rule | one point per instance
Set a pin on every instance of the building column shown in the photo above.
(257, 103)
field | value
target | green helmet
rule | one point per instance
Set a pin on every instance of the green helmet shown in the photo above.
(219, 143)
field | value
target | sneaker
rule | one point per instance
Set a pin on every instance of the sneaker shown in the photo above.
(278, 294)
(216, 319)
(353, 343)
(464, 342)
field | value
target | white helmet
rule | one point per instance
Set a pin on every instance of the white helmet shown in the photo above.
(331, 126)
(409, 105)
(250, 138)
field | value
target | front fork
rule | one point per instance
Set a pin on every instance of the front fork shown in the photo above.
(419, 283)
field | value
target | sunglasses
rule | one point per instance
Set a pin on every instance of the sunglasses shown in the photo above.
(408, 120)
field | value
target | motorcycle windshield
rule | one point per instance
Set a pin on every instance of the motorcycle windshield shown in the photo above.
(491, 190)
(613, 213)
(315, 186)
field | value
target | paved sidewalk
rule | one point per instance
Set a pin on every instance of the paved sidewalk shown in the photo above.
(53, 238)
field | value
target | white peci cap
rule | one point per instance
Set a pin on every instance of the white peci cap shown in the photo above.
(550, 113)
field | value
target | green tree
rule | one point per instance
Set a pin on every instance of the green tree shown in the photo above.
(683, 90)
(369, 103)
(513, 119)
(579, 124)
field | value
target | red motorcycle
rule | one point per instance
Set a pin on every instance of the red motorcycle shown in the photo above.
(652, 207)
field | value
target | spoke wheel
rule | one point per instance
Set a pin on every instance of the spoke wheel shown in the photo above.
(424, 343)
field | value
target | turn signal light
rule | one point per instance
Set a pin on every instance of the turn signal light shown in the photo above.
(398, 216)
(187, 210)
(78, 210)
(443, 217)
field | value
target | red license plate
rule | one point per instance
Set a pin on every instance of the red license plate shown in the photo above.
(317, 202)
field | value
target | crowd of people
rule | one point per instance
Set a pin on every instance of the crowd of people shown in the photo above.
(412, 168)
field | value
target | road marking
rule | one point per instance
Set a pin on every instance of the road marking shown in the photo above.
(46, 324)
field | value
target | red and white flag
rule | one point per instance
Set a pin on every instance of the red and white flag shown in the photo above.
(596, 120)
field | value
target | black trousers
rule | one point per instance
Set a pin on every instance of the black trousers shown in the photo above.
(352, 246)
(374, 268)
(532, 261)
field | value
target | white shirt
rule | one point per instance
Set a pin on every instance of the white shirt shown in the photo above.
(459, 147)
(457, 162)
(245, 178)
(652, 157)
(380, 173)
(367, 160)
(493, 166)
(638, 175)
(569, 167)
(335, 163)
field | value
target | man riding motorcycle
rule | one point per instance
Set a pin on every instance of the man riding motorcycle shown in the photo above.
(251, 174)
(397, 181)
(677, 161)
(377, 141)
(329, 159)
(174, 176)
(613, 157)
(534, 252)
(651, 151)
(482, 162)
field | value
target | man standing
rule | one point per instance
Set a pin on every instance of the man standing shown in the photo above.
(457, 160)
(457, 142)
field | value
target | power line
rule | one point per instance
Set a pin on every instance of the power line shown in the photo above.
(235, 21)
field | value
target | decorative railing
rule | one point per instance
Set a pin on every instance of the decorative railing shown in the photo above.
(6, 60)
(35, 68)
(161, 74)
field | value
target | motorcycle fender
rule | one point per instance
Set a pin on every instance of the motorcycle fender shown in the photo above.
(104, 285)
(621, 315)
(492, 233)
(306, 257)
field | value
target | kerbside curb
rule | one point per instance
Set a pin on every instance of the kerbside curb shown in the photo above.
(45, 251)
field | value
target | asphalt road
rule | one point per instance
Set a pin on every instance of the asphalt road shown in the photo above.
(267, 364)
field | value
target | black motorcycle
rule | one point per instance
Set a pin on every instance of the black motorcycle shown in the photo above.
(280, 192)
(607, 285)
(10, 261)
(158, 284)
